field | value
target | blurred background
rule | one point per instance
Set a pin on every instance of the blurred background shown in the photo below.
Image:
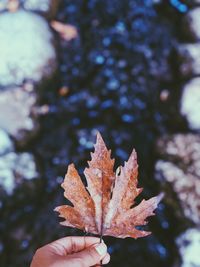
(130, 69)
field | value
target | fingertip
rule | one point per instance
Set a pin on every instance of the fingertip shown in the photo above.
(92, 255)
(106, 259)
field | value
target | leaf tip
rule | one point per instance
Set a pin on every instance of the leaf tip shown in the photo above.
(57, 209)
(160, 197)
(99, 138)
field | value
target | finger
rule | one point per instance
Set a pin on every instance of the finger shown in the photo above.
(106, 259)
(73, 244)
(91, 255)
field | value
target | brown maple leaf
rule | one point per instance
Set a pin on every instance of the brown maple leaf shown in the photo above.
(106, 205)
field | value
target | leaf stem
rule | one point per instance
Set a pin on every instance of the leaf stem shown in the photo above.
(101, 240)
(102, 218)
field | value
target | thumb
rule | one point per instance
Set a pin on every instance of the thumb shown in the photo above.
(91, 255)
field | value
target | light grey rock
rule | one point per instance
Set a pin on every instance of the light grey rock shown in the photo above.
(14, 169)
(3, 4)
(16, 107)
(26, 49)
(186, 187)
(191, 24)
(195, 1)
(48, 8)
(6, 144)
(189, 247)
(157, 1)
(189, 56)
(179, 167)
(190, 103)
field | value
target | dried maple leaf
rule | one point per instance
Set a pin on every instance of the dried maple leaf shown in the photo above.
(66, 31)
(106, 205)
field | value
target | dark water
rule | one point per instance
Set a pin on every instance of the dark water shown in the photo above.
(115, 71)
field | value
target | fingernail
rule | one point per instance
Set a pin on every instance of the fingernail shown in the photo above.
(105, 260)
(101, 249)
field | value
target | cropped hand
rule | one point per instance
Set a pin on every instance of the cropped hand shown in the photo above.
(73, 252)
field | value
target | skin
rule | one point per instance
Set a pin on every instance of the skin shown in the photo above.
(72, 251)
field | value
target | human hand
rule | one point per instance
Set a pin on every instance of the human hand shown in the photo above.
(72, 251)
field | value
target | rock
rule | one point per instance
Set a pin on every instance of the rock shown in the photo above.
(3, 4)
(46, 7)
(189, 247)
(190, 103)
(193, 2)
(179, 167)
(31, 55)
(191, 24)
(16, 114)
(6, 144)
(14, 169)
(189, 57)
(157, 2)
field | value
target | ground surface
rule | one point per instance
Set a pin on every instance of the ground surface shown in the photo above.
(115, 72)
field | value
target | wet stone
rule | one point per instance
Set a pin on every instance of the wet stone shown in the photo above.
(190, 103)
(192, 24)
(48, 8)
(25, 58)
(179, 167)
(5, 143)
(3, 5)
(189, 57)
(189, 247)
(14, 169)
(16, 114)
(193, 2)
